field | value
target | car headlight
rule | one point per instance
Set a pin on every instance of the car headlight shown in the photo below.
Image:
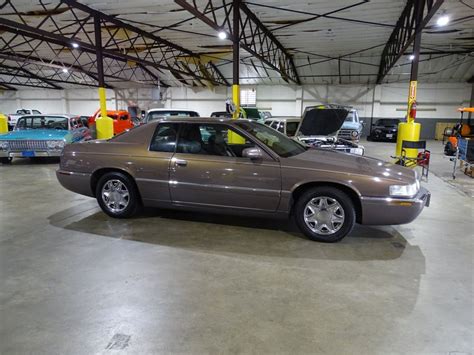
(377, 131)
(354, 134)
(405, 190)
(3, 145)
(55, 145)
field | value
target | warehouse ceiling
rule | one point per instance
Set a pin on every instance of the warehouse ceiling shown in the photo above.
(333, 42)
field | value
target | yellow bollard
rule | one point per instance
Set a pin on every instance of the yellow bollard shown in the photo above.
(408, 131)
(104, 125)
(232, 137)
(3, 124)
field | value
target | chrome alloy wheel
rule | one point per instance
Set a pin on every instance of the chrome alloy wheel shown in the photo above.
(115, 195)
(324, 215)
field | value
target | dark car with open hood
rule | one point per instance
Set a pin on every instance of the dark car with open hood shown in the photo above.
(240, 167)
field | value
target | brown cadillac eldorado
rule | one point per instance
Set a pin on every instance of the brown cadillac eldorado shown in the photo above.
(240, 166)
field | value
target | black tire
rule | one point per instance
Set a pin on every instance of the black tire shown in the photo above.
(133, 203)
(6, 161)
(345, 203)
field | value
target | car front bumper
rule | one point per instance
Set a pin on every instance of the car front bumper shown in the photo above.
(388, 134)
(387, 210)
(30, 154)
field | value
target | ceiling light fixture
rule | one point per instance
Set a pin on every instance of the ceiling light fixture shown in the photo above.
(411, 57)
(74, 45)
(443, 20)
(222, 35)
(64, 70)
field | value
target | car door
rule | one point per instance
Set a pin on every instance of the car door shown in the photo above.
(153, 171)
(208, 170)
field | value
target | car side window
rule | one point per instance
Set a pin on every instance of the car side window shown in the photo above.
(164, 139)
(211, 139)
(281, 127)
(75, 123)
(36, 112)
(85, 122)
(274, 125)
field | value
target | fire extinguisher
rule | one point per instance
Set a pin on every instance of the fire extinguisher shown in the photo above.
(413, 110)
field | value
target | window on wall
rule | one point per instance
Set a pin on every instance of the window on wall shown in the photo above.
(248, 97)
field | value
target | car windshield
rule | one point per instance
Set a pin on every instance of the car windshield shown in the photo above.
(156, 115)
(279, 143)
(291, 128)
(350, 117)
(252, 113)
(42, 122)
(387, 122)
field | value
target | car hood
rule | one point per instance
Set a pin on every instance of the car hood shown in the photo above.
(37, 134)
(322, 159)
(322, 122)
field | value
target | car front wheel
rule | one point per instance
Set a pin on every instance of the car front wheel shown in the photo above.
(117, 195)
(5, 161)
(325, 214)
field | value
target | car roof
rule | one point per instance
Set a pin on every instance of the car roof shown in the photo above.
(199, 120)
(170, 109)
(67, 115)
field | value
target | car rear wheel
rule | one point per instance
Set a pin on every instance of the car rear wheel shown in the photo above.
(5, 161)
(117, 195)
(325, 214)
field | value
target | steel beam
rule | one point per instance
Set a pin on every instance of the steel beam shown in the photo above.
(121, 41)
(7, 87)
(411, 22)
(28, 61)
(169, 52)
(254, 37)
(24, 73)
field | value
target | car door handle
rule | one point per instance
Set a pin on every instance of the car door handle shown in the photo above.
(180, 162)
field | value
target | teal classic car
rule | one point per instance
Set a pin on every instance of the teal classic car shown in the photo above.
(351, 129)
(41, 136)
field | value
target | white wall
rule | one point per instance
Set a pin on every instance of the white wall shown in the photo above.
(435, 101)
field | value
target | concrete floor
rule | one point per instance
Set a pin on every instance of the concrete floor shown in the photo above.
(74, 281)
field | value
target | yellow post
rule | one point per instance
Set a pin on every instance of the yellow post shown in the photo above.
(234, 138)
(409, 130)
(104, 125)
(236, 100)
(3, 124)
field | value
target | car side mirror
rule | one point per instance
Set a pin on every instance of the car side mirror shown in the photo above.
(252, 153)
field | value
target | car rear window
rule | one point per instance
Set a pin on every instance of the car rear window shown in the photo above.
(156, 115)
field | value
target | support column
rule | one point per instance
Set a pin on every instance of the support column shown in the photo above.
(299, 102)
(236, 58)
(104, 125)
(410, 130)
(232, 137)
(64, 105)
